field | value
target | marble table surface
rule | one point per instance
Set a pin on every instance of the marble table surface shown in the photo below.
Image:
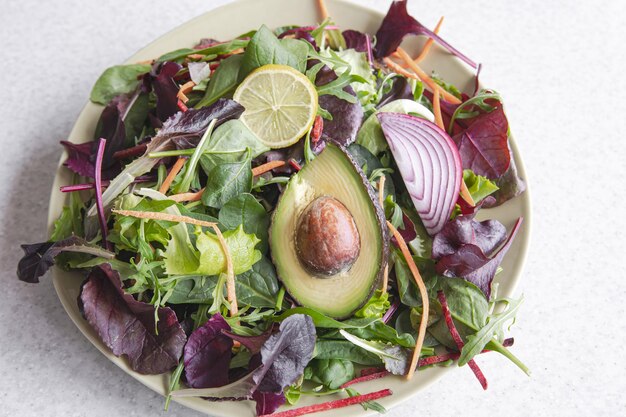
(559, 65)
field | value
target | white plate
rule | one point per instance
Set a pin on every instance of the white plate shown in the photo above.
(225, 23)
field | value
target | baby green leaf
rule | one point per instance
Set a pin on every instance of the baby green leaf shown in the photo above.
(118, 79)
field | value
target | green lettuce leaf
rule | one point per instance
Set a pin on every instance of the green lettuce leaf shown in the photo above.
(478, 186)
(241, 247)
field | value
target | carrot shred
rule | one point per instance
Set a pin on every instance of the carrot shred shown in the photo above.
(184, 90)
(437, 110)
(154, 215)
(457, 338)
(187, 197)
(331, 405)
(401, 53)
(385, 279)
(268, 166)
(321, 5)
(178, 165)
(195, 56)
(381, 190)
(466, 195)
(423, 293)
(231, 294)
(429, 43)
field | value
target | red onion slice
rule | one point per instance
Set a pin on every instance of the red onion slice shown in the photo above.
(429, 163)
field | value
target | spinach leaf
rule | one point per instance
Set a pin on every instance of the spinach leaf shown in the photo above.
(342, 349)
(193, 290)
(265, 48)
(395, 358)
(407, 288)
(244, 209)
(219, 49)
(223, 81)
(234, 136)
(116, 80)
(379, 331)
(258, 287)
(332, 373)
(226, 180)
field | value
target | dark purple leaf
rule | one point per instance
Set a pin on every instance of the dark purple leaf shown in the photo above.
(400, 89)
(407, 232)
(79, 158)
(186, 128)
(347, 117)
(470, 263)
(300, 33)
(484, 144)
(207, 354)
(112, 128)
(161, 80)
(286, 353)
(510, 186)
(397, 24)
(39, 257)
(487, 236)
(267, 402)
(467, 210)
(252, 343)
(360, 42)
(127, 326)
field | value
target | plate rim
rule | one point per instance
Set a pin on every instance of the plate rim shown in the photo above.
(89, 333)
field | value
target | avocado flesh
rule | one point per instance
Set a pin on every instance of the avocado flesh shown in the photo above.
(332, 173)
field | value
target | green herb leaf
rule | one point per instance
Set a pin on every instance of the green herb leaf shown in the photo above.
(320, 320)
(258, 287)
(240, 245)
(226, 180)
(332, 373)
(375, 306)
(265, 48)
(223, 81)
(343, 349)
(70, 222)
(245, 210)
(116, 80)
(219, 49)
(233, 136)
(478, 186)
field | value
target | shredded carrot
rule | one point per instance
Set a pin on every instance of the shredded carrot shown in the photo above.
(466, 195)
(154, 215)
(321, 5)
(268, 166)
(429, 43)
(178, 165)
(179, 198)
(437, 110)
(230, 274)
(401, 53)
(184, 90)
(195, 56)
(145, 62)
(385, 279)
(423, 293)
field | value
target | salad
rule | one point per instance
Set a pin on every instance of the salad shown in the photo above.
(290, 213)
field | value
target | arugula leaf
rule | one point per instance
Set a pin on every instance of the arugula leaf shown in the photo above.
(223, 81)
(116, 80)
(379, 331)
(394, 357)
(245, 210)
(476, 343)
(265, 48)
(226, 180)
(241, 247)
(478, 186)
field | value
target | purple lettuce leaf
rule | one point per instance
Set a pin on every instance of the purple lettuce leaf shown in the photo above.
(407, 232)
(470, 263)
(360, 42)
(268, 402)
(185, 129)
(39, 257)
(484, 145)
(487, 236)
(397, 24)
(161, 80)
(347, 117)
(286, 353)
(207, 354)
(252, 343)
(510, 186)
(300, 33)
(467, 210)
(127, 326)
(205, 43)
(400, 89)
(79, 158)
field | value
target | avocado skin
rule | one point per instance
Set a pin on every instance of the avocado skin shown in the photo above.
(381, 222)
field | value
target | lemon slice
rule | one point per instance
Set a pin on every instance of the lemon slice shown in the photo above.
(280, 103)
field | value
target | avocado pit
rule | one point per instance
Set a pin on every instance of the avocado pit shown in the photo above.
(327, 239)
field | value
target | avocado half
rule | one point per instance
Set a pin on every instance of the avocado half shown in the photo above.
(338, 293)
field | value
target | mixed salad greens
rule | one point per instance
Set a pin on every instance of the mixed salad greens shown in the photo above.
(175, 216)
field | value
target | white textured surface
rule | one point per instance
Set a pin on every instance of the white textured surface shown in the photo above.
(559, 65)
